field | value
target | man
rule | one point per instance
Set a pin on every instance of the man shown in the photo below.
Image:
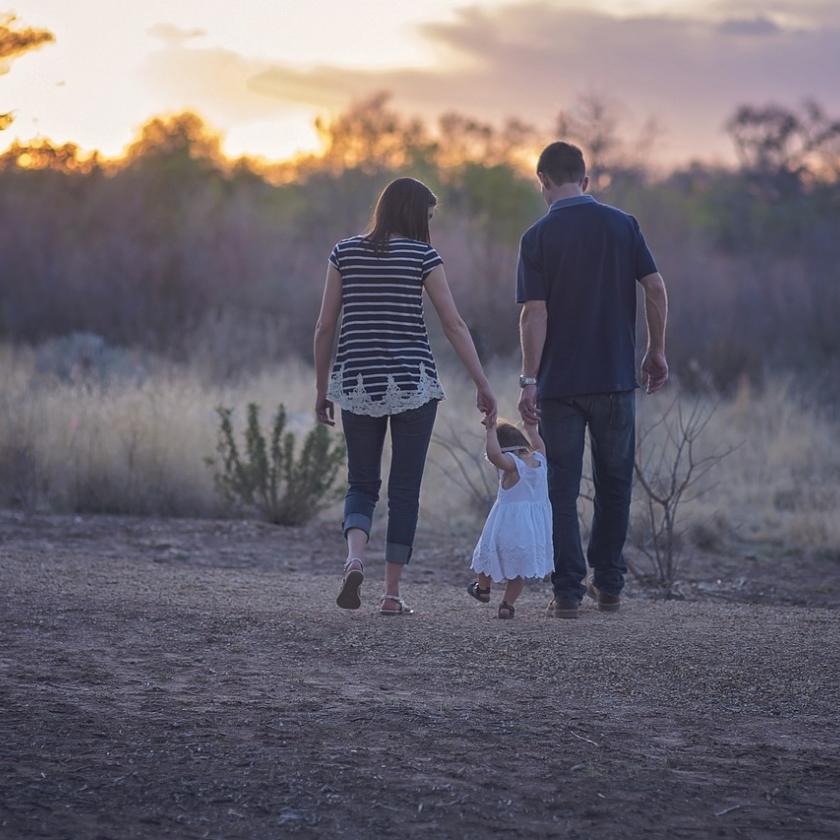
(577, 275)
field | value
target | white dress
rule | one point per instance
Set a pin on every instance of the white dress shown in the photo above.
(516, 539)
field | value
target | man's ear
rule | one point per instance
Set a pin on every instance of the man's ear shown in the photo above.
(584, 184)
(544, 180)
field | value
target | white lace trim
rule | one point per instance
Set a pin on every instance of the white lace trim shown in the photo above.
(393, 401)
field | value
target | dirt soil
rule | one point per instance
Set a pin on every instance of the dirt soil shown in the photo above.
(180, 679)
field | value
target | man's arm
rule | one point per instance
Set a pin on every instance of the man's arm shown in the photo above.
(533, 324)
(655, 365)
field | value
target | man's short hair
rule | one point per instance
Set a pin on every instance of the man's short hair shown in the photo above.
(563, 163)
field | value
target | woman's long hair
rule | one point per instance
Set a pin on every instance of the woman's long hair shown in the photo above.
(401, 210)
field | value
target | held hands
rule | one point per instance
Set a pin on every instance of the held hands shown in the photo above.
(486, 404)
(325, 410)
(654, 371)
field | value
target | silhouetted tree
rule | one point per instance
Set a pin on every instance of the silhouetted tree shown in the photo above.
(14, 42)
(782, 149)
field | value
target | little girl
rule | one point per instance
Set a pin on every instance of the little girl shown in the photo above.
(516, 540)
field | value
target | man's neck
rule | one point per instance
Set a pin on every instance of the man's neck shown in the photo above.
(563, 191)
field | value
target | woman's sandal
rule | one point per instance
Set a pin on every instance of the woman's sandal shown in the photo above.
(478, 593)
(402, 607)
(506, 610)
(351, 584)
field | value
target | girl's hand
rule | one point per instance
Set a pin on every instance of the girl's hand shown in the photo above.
(486, 403)
(325, 411)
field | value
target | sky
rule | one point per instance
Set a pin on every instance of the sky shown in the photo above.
(260, 71)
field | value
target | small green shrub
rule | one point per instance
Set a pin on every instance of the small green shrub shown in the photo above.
(267, 476)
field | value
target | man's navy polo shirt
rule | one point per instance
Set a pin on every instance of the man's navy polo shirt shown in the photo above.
(583, 259)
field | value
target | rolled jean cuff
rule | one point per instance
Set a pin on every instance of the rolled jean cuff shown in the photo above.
(357, 520)
(396, 553)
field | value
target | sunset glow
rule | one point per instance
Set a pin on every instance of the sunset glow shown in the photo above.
(262, 71)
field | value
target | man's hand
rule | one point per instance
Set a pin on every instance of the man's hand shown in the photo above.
(654, 371)
(528, 405)
(325, 410)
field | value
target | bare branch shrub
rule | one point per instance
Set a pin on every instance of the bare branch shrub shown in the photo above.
(671, 473)
(464, 465)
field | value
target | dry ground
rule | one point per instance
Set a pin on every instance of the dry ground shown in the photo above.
(194, 679)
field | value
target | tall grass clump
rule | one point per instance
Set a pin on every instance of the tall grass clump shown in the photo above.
(137, 445)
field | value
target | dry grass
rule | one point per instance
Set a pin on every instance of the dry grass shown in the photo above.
(139, 447)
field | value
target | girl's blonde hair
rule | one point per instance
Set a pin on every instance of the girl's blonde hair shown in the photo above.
(511, 437)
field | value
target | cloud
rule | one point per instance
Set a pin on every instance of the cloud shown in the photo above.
(174, 36)
(809, 14)
(533, 59)
(757, 26)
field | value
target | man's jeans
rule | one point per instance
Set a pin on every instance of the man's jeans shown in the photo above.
(611, 421)
(411, 432)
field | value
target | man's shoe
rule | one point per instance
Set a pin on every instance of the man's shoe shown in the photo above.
(563, 608)
(606, 603)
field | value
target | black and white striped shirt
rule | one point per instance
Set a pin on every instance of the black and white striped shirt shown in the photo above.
(384, 364)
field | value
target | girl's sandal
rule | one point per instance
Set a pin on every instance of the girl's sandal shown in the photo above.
(478, 593)
(351, 584)
(506, 610)
(402, 607)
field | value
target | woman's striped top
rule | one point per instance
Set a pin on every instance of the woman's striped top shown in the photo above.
(383, 364)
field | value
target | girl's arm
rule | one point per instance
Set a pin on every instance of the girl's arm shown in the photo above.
(459, 337)
(494, 452)
(532, 432)
(324, 341)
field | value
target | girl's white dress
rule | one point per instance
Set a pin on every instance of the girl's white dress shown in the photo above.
(516, 539)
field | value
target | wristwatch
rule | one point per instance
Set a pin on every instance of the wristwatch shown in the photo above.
(527, 380)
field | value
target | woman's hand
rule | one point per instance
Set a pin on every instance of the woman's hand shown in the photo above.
(486, 403)
(325, 410)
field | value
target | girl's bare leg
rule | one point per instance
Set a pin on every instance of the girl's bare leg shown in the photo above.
(513, 589)
(484, 581)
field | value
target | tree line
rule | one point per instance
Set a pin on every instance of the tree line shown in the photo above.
(174, 246)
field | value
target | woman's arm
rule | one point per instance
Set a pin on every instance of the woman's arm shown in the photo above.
(324, 341)
(494, 452)
(459, 337)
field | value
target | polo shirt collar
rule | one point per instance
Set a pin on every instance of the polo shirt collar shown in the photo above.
(571, 201)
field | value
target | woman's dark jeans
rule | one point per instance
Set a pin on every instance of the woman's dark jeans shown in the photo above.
(411, 432)
(611, 422)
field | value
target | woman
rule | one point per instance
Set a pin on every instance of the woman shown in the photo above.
(384, 372)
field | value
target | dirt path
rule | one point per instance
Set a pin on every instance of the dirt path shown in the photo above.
(194, 680)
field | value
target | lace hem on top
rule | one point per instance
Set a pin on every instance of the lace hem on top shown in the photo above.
(395, 400)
